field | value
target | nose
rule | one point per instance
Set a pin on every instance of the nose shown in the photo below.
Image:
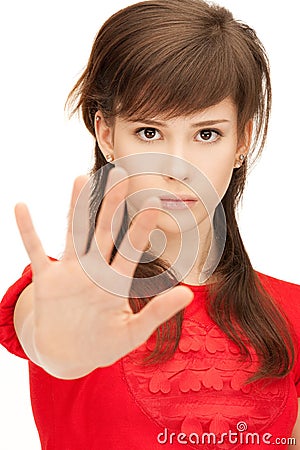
(176, 168)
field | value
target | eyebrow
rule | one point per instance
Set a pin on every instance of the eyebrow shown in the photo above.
(203, 123)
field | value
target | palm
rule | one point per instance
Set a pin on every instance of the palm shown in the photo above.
(77, 321)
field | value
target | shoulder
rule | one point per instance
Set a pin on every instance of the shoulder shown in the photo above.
(284, 293)
(277, 286)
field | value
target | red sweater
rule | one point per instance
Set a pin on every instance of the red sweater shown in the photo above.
(196, 398)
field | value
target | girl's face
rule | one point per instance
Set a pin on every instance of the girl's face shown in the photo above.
(208, 141)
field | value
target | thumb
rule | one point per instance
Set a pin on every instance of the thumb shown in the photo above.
(157, 311)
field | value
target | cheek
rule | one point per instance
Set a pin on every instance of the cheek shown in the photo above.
(140, 188)
(125, 144)
(219, 172)
(220, 179)
(135, 184)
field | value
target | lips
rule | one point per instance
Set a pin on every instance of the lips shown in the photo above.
(178, 198)
(177, 202)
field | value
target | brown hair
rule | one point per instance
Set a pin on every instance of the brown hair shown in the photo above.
(173, 58)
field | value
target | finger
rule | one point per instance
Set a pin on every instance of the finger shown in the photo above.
(30, 238)
(160, 309)
(137, 238)
(111, 213)
(78, 219)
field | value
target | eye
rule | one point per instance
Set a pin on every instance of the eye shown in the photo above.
(148, 134)
(208, 136)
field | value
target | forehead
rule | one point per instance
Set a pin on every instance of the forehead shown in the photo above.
(225, 110)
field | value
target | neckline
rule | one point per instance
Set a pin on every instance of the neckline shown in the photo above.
(195, 287)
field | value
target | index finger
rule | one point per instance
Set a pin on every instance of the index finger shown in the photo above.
(30, 239)
(80, 201)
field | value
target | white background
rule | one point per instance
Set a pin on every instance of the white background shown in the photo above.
(44, 47)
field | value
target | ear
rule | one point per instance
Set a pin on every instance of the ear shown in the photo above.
(245, 140)
(104, 134)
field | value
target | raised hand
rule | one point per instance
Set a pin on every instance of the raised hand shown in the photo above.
(77, 326)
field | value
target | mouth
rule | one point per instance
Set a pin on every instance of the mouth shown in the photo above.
(178, 201)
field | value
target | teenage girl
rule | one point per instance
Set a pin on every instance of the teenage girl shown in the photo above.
(128, 349)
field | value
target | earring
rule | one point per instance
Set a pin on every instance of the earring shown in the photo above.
(109, 158)
(242, 159)
(97, 118)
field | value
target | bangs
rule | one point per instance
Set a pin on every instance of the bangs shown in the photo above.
(173, 81)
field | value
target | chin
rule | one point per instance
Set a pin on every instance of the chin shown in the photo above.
(179, 223)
